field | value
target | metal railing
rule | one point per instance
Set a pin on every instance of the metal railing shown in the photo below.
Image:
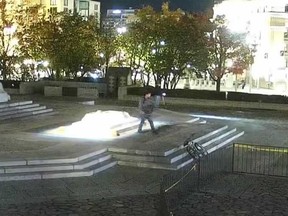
(177, 185)
(257, 159)
(238, 158)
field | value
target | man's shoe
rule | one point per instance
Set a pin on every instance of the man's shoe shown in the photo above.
(155, 132)
(140, 131)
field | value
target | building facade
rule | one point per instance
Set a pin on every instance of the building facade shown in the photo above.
(83, 7)
(118, 18)
(266, 25)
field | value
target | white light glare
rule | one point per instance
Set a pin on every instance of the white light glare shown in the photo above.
(97, 125)
(116, 11)
(121, 30)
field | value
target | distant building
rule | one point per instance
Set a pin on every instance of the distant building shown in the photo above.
(266, 23)
(83, 7)
(118, 18)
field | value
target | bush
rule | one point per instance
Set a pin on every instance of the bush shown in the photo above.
(238, 96)
(180, 93)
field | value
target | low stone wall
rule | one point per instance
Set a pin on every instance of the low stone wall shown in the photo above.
(52, 91)
(12, 91)
(82, 87)
(71, 91)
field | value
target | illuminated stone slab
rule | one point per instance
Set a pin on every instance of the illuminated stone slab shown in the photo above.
(100, 124)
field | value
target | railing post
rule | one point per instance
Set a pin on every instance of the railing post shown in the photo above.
(233, 150)
(198, 175)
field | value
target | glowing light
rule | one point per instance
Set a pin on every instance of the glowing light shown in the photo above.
(116, 11)
(121, 30)
(97, 125)
(27, 61)
(45, 63)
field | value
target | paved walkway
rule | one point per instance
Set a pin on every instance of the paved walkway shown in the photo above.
(117, 191)
(235, 195)
(121, 190)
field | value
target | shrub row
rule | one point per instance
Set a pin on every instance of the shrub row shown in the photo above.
(239, 96)
(180, 93)
(213, 95)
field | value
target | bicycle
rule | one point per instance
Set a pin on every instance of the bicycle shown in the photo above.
(194, 149)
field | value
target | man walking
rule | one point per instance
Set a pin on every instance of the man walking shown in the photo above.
(146, 106)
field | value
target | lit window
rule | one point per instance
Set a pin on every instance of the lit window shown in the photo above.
(84, 5)
(53, 10)
(53, 2)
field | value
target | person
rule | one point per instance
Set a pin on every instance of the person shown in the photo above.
(146, 106)
(243, 83)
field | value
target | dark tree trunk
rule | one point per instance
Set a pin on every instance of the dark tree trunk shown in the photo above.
(218, 85)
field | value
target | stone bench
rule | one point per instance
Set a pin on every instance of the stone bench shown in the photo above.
(4, 97)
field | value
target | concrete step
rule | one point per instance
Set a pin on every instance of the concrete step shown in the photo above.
(63, 160)
(26, 113)
(83, 164)
(59, 174)
(25, 106)
(179, 156)
(20, 109)
(115, 150)
(13, 104)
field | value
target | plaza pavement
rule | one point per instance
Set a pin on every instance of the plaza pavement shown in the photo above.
(120, 190)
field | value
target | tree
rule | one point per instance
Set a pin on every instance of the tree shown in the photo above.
(78, 43)
(108, 47)
(69, 42)
(14, 21)
(160, 45)
(225, 46)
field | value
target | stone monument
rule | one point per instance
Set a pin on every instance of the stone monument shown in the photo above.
(4, 97)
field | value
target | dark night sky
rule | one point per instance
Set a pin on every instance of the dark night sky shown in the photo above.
(187, 5)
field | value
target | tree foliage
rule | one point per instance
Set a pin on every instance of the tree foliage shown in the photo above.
(15, 24)
(160, 45)
(228, 52)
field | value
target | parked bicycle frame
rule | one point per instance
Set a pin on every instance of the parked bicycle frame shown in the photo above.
(194, 149)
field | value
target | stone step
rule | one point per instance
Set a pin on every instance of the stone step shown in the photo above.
(40, 110)
(179, 158)
(115, 150)
(154, 165)
(83, 164)
(19, 109)
(13, 104)
(59, 174)
(63, 160)
(133, 125)
(6, 109)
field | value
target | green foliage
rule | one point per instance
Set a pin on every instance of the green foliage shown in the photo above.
(15, 22)
(161, 44)
(68, 41)
(225, 46)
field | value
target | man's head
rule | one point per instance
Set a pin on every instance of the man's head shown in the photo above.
(147, 94)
